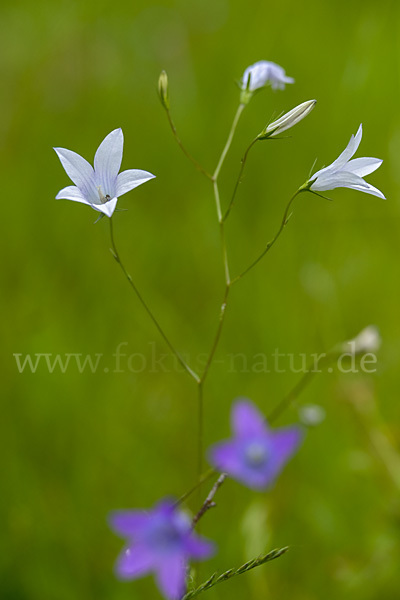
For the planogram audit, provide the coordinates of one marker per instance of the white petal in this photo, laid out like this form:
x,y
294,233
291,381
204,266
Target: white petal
x,y
330,181
368,189
107,161
258,75
80,171
291,118
363,166
128,180
320,172
348,152
72,193
107,208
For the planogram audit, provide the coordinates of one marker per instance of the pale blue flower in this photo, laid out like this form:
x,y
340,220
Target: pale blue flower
x,y
100,187
344,172
264,72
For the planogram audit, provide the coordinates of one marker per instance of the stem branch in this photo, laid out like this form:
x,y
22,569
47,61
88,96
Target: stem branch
x,y
182,147
238,180
283,224
116,255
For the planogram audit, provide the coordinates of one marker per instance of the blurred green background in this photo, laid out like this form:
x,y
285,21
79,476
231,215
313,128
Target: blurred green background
x,y
78,445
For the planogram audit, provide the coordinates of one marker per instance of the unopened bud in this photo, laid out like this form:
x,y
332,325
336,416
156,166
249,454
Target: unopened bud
x,y
368,340
163,89
288,120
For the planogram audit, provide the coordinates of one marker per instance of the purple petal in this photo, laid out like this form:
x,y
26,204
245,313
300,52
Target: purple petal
x,y
128,523
134,562
198,548
166,506
225,457
71,192
128,180
80,172
285,441
247,420
171,577
107,161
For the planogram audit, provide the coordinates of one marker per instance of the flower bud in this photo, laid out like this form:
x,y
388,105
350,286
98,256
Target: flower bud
x,y
368,340
311,415
288,120
163,89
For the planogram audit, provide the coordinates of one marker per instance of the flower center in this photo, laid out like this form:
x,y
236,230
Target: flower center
x,y
256,454
166,538
103,198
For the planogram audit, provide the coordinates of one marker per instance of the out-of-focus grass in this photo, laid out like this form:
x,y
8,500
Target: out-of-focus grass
x,y
76,445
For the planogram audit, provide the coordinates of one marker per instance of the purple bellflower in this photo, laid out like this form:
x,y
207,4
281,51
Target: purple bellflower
x,y
100,187
160,541
256,454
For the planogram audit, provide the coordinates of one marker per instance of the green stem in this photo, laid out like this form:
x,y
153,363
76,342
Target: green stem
x,y
116,255
228,141
238,180
182,147
217,335
200,428
272,242
205,477
222,232
303,382
227,288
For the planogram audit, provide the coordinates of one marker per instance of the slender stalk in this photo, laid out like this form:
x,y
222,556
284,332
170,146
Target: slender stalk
x,y
222,232
205,477
226,293
182,147
116,255
209,501
303,382
283,224
291,396
217,335
200,429
228,141
238,180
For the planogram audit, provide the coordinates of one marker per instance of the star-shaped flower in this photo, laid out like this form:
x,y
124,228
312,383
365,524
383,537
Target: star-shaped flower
x,y
256,454
100,187
344,172
263,72
160,541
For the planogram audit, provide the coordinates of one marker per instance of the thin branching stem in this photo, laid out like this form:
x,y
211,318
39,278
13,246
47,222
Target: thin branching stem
x,y
303,382
205,477
285,219
217,335
238,180
209,501
225,260
182,147
117,257
228,141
